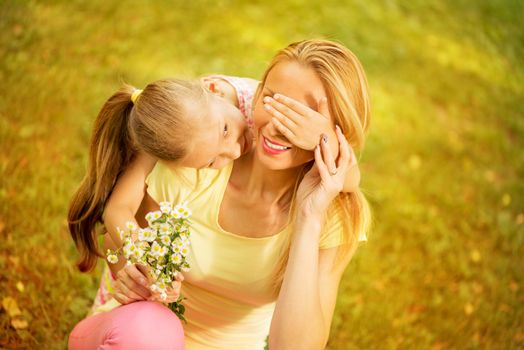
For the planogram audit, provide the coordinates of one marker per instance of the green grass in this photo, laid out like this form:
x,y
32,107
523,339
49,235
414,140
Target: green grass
x,y
443,166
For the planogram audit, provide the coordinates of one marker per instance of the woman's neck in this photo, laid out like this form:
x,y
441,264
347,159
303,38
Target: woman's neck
x,y
260,183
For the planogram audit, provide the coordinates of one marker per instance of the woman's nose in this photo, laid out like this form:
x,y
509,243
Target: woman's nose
x,y
273,131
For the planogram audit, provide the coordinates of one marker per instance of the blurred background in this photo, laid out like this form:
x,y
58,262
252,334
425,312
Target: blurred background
x,y
443,166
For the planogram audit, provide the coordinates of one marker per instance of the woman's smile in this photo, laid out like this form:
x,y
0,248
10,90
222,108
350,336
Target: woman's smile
x,y
272,147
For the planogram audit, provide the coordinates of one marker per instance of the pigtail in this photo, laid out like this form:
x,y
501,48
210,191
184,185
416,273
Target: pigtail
x,y
110,151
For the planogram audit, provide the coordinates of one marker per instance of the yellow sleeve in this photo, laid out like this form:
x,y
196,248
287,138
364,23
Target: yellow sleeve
x,y
333,235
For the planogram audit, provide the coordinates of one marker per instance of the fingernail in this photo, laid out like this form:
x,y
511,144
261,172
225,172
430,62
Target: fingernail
x,y
143,281
324,138
338,128
267,107
267,99
276,96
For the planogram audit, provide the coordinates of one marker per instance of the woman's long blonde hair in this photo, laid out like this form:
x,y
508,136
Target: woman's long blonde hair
x,y
349,104
157,124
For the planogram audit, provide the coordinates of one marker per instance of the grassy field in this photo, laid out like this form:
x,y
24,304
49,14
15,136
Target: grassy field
x,y
443,166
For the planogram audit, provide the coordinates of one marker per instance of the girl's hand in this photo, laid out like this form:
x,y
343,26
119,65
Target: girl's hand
x,y
321,185
300,124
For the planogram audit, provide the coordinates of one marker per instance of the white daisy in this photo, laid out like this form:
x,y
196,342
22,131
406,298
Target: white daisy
x,y
131,226
147,235
181,211
164,229
112,258
176,258
165,240
156,249
166,207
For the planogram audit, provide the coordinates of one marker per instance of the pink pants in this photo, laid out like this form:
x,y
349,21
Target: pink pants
x,y
139,325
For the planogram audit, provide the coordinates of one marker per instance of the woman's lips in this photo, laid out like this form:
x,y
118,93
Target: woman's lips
x,y
273,148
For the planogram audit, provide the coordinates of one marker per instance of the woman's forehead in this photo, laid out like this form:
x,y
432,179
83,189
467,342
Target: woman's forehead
x,y
296,81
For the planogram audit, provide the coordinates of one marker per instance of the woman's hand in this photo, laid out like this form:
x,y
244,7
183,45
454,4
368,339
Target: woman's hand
x,y
300,124
172,293
133,284
325,180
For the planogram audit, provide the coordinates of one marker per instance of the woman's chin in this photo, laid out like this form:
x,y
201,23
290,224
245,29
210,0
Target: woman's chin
x,y
271,162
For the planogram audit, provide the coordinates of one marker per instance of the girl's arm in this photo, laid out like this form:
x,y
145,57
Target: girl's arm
x,y
127,197
307,297
125,200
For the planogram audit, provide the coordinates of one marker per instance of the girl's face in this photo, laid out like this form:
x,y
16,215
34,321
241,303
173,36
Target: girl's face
x,y
220,136
295,81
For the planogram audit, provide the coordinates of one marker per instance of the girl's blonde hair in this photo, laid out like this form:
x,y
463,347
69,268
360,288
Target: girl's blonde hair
x,y
347,92
157,124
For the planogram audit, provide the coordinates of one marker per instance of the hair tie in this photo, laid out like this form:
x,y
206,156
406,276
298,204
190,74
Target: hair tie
x,y
135,95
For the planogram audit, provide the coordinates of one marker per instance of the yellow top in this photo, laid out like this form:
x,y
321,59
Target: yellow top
x,y
229,301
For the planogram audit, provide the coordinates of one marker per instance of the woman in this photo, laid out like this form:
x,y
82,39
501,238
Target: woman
x,y
265,259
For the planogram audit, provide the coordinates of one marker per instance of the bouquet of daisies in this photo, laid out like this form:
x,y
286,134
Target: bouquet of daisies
x,y
163,246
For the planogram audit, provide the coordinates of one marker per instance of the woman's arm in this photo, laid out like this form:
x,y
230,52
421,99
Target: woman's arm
x,y
306,303
307,297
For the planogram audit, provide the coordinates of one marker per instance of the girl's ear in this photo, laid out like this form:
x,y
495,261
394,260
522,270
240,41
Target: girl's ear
x,y
212,85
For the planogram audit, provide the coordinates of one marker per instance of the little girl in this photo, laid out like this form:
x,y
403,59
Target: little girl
x,y
176,121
